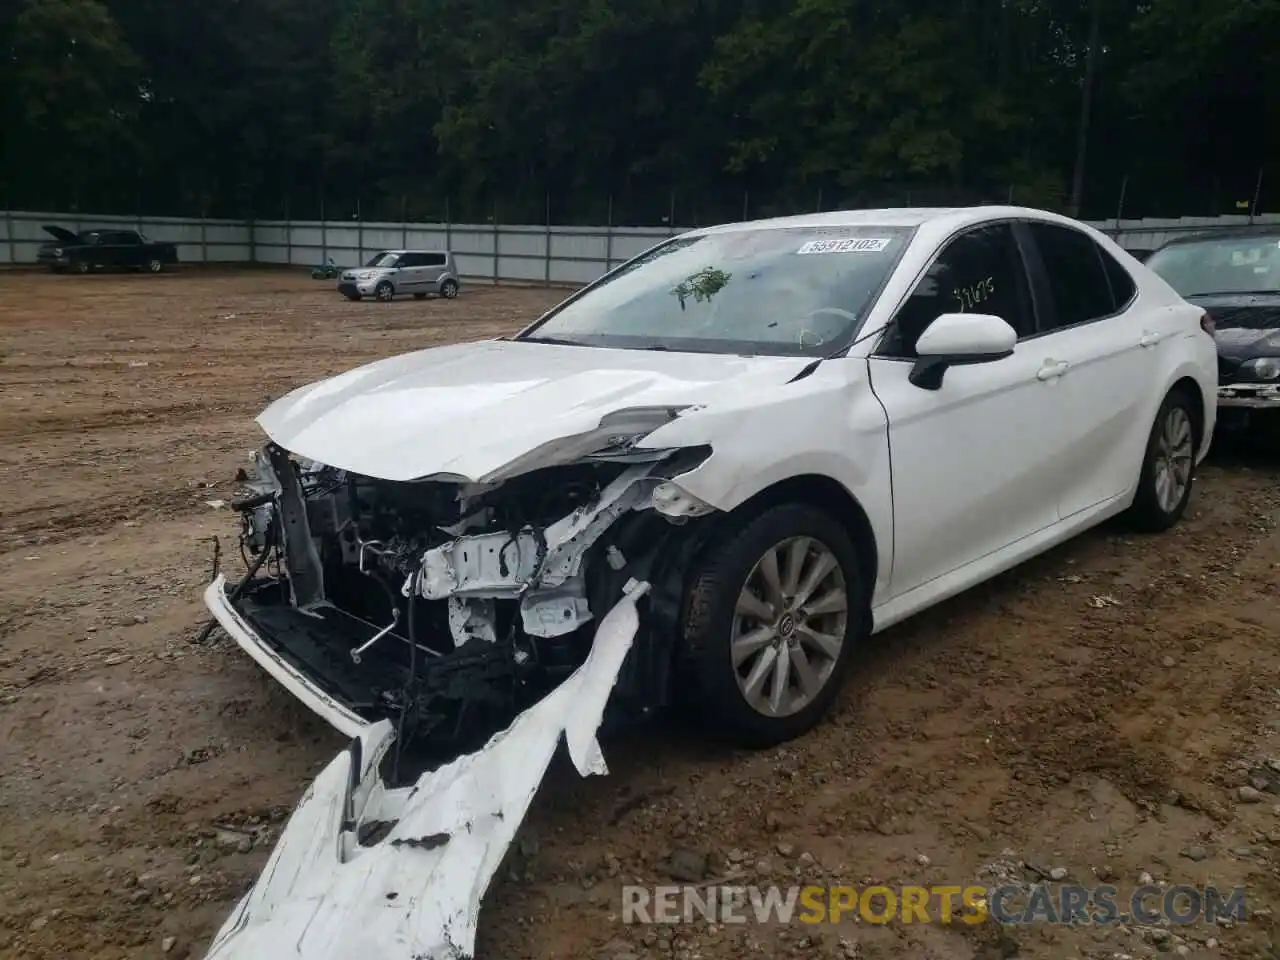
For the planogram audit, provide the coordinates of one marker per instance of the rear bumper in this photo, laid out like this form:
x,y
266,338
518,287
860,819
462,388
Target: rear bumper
x,y
273,660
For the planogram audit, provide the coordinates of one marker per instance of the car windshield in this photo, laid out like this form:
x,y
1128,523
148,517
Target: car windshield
x,y
790,291
383,260
1235,265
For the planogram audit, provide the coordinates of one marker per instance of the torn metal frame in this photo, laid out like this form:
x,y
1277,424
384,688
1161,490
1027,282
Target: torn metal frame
x,y
550,578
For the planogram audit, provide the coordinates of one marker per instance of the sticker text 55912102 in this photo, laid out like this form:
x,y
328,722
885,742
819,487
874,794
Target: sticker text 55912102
x,y
846,245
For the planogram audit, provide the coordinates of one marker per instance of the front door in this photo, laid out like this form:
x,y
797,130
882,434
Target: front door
x,y
975,464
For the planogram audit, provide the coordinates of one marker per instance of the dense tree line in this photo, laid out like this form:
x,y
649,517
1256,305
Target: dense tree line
x,y
635,109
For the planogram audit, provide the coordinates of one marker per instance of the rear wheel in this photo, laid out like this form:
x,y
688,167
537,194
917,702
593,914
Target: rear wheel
x,y
384,291
770,624
1168,468
82,266
155,265
449,289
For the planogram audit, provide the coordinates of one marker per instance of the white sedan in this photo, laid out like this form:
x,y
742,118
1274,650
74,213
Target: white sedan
x,y
751,447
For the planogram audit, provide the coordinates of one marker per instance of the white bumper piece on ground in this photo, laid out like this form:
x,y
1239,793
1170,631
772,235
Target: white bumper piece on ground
x,y
415,894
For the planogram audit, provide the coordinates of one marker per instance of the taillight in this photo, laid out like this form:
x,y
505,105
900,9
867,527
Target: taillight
x,y
1206,323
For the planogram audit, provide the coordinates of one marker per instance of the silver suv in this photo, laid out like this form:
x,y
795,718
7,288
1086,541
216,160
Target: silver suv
x,y
396,272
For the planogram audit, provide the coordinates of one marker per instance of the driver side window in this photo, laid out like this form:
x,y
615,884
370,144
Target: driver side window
x,y
979,271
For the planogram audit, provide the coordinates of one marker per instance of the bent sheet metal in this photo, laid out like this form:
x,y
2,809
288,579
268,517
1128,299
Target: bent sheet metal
x,y
415,894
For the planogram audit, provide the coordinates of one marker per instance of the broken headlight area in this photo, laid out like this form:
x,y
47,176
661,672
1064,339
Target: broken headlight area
x,y
449,607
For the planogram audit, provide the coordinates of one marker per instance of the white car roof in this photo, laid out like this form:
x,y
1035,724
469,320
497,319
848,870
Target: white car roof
x,y
944,218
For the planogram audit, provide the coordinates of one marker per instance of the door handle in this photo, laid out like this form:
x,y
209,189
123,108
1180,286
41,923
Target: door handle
x,y
1051,369
1150,339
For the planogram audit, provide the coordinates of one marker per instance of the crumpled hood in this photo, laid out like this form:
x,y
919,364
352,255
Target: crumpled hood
x,y
467,409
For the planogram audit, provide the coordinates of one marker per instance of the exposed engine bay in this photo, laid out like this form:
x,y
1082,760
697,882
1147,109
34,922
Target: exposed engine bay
x,y
448,607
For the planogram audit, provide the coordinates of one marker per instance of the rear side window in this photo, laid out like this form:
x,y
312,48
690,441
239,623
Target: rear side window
x,y
432,259
1078,282
1122,286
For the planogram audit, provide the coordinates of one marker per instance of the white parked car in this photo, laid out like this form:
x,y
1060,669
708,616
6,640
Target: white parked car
x,y
751,447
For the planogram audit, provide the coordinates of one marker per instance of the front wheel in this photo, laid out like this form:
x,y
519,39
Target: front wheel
x,y
384,291
82,266
449,289
770,624
1168,468
155,265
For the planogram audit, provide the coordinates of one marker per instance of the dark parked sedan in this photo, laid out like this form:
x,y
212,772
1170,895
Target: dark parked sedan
x,y
96,249
1235,276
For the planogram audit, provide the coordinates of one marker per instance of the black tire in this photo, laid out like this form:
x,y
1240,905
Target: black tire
x,y
353,297
384,291
709,618
155,264
1150,512
419,296
449,289
82,266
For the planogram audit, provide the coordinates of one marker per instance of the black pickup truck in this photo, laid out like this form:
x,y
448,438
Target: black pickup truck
x,y
94,249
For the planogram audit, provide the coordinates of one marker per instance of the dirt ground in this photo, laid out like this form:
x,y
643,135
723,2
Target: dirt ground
x,y
1107,710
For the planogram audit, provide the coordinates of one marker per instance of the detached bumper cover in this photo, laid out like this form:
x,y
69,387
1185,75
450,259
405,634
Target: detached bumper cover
x,y
415,895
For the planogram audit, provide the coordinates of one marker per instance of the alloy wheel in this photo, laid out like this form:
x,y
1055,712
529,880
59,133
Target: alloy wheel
x,y
1174,454
789,628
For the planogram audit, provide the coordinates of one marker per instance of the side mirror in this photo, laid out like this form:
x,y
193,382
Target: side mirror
x,y
960,339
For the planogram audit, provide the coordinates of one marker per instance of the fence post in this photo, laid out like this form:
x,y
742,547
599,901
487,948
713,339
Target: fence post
x,y
204,232
746,194
324,233
671,216
288,234
8,223
495,242
1124,188
546,258
404,221
359,232
608,239
818,208
448,227
1257,195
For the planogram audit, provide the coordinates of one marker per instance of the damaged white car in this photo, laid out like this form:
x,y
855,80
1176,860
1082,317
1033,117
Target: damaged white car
x,y
705,477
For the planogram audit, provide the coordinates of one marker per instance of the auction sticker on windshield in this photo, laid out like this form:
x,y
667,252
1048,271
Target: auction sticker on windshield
x,y
847,245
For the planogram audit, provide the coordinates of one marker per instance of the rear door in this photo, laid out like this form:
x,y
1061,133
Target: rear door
x,y
1094,322
126,248
974,463
433,269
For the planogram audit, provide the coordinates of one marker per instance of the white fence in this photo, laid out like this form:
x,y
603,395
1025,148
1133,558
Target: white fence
x,y
546,254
